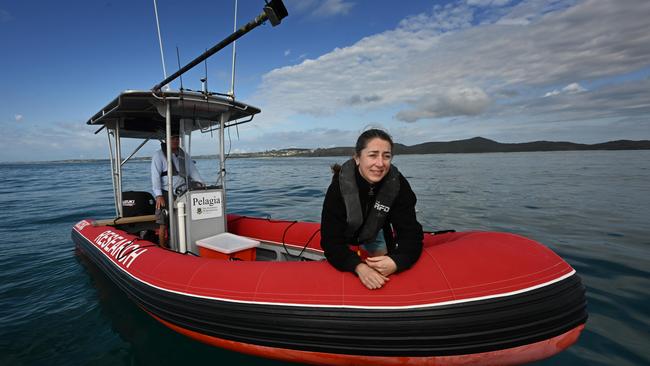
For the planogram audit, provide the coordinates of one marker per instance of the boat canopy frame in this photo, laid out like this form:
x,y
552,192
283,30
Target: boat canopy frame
x,y
158,115
142,113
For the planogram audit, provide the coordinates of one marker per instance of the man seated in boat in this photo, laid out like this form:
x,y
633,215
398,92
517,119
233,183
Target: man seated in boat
x,y
369,203
182,168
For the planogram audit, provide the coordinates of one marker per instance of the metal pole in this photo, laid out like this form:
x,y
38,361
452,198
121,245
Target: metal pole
x,y
162,55
110,148
135,151
170,177
118,158
234,53
189,140
181,133
182,243
273,11
187,224
222,161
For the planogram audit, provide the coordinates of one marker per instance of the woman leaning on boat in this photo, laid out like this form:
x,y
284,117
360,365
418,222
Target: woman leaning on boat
x,y
369,203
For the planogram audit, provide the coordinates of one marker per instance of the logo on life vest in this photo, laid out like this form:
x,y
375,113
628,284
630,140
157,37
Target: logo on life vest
x,y
380,207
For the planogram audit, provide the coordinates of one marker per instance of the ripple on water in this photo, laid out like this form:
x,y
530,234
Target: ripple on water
x,y
55,311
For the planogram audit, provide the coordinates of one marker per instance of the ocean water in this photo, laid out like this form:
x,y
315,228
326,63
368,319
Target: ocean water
x,y
590,207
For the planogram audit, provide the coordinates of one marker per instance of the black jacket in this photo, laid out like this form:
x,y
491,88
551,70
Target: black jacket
x,y
408,232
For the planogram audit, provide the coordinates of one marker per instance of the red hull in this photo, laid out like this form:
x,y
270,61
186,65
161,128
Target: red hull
x,y
456,272
511,356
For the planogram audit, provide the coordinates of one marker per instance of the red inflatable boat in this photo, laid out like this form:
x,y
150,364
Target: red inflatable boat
x,y
472,298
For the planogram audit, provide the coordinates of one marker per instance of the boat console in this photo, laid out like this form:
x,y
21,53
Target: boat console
x,y
202,213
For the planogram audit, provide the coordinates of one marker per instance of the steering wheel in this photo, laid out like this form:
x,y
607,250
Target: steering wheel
x,y
183,187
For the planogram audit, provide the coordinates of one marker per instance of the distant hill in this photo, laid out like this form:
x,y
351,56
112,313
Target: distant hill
x,y
473,145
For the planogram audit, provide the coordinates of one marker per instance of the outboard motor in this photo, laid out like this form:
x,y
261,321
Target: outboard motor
x,y
136,203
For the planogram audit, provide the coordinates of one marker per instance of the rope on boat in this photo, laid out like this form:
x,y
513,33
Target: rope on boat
x,y
284,234
303,248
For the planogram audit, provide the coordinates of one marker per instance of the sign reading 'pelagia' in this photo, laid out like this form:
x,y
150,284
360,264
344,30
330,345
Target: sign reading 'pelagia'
x,y
206,205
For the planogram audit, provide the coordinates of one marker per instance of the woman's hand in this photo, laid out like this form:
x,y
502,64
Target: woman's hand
x,y
369,277
382,264
160,202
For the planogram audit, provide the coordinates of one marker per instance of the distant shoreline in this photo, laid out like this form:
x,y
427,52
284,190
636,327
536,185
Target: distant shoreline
x,y
468,146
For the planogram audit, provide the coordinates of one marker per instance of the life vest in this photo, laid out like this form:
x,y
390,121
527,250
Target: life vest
x,y
369,228
163,148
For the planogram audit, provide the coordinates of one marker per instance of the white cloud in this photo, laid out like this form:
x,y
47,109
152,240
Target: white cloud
x,y
54,141
628,100
287,52
439,64
463,101
333,7
532,10
319,8
552,93
572,88
18,117
442,19
484,3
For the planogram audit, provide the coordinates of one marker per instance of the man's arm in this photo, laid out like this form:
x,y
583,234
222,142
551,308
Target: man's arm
x,y
156,169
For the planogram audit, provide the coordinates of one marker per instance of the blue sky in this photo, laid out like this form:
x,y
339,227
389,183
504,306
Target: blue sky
x,y
512,71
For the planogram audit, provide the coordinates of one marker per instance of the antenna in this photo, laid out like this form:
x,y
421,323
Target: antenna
x,y
162,55
234,56
274,11
204,80
178,58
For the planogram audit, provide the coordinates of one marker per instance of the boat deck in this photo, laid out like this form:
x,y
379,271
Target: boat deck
x,y
145,227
